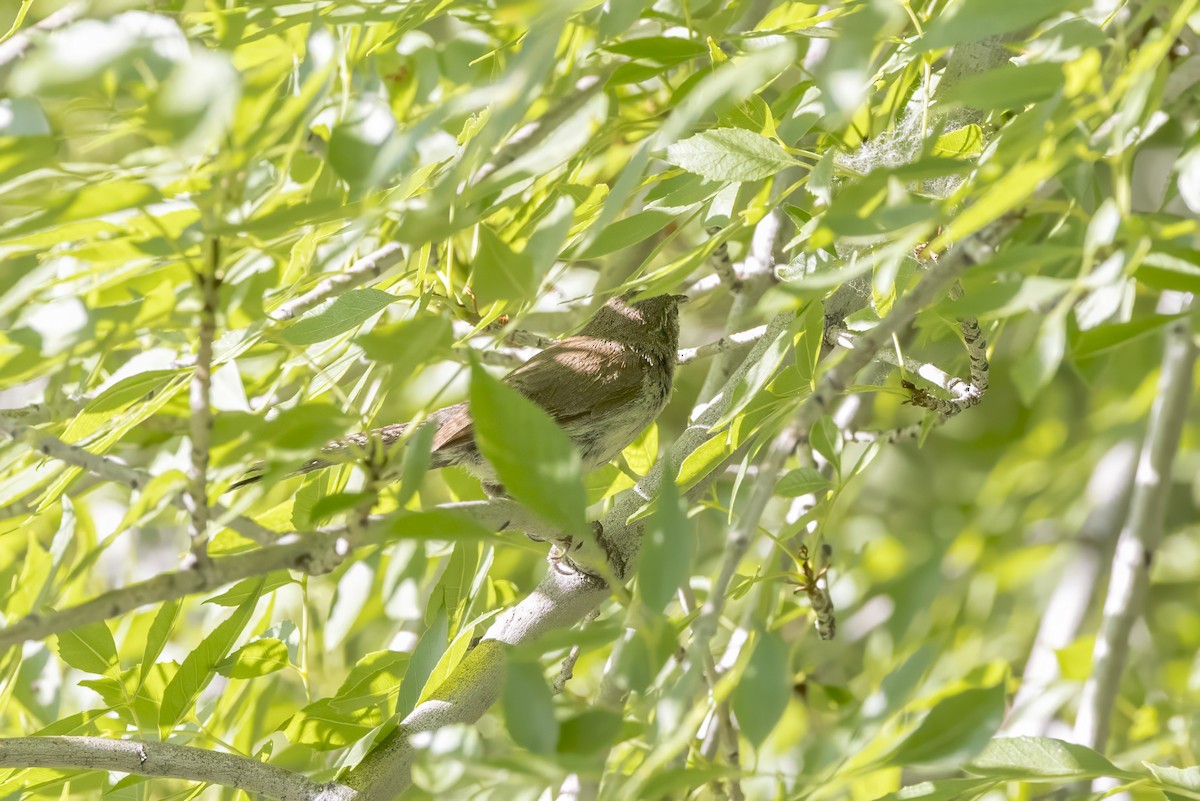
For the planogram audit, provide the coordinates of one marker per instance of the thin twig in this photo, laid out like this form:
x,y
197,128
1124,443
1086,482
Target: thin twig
x,y
371,266
199,399
13,49
1142,533
725,343
567,670
965,394
762,253
723,265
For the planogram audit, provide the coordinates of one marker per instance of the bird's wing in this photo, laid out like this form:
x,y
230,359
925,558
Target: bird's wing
x,y
574,378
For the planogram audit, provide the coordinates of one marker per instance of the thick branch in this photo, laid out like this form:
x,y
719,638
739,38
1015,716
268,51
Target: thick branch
x,y
310,552
1108,492
167,761
1141,535
305,553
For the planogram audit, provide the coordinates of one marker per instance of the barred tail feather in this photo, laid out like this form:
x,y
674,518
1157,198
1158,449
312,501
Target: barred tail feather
x,y
343,450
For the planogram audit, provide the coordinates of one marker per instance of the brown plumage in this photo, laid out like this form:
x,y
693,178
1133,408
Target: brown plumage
x,y
602,386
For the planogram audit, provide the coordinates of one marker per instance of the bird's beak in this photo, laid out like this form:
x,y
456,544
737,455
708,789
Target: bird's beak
x,y
681,298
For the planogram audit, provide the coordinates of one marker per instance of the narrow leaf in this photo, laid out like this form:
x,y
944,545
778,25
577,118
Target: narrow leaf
x,y
200,665
535,461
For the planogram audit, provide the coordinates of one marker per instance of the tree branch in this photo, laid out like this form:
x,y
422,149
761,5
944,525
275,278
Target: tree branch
x,y
762,257
1142,533
372,265
310,552
725,343
110,469
14,49
1108,491
199,399
167,761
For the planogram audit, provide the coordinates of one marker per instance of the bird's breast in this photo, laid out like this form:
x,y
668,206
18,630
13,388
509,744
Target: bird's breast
x,y
600,438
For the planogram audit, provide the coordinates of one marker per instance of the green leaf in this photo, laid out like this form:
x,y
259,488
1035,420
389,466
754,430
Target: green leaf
x,y
1008,87
759,375
957,728
345,312
336,503
973,20
114,399
940,790
323,726
702,461
668,548
536,462
965,142
89,648
417,458
303,428
257,658
200,665
1171,268
808,342
529,707
455,582
1039,366
1105,337
1034,758
408,344
627,231
546,243
372,680
160,631
1183,778
424,659
500,273
246,589
641,453
675,782
803,481
762,695
826,440
589,731
359,144
730,154
664,50
84,204
437,524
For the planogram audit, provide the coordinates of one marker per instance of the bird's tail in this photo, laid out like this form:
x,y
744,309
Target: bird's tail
x,y
339,451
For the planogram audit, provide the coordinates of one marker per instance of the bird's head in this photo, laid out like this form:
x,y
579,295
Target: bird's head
x,y
652,322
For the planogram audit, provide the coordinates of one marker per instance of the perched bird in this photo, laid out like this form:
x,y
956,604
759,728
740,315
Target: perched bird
x,y
602,386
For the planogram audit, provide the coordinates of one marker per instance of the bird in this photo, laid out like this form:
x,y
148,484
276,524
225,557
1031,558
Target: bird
x,y
602,386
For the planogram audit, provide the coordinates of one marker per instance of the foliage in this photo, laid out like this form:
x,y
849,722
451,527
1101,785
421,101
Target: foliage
x,y
531,159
